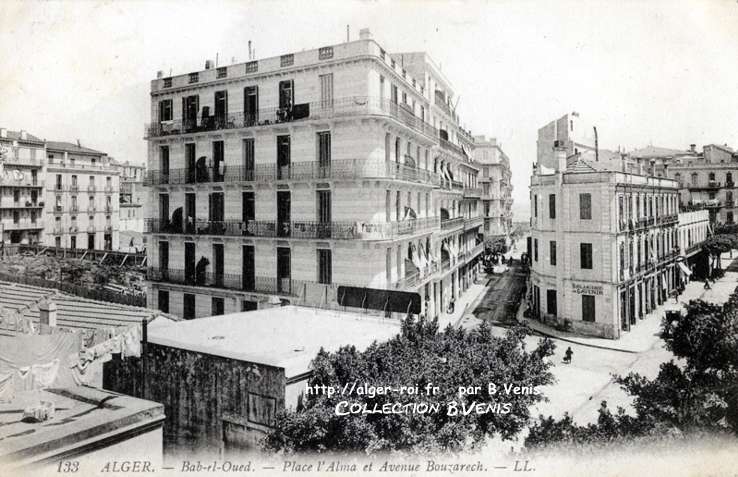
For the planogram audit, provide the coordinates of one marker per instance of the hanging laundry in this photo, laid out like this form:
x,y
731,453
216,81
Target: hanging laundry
x,y
44,375
132,342
7,389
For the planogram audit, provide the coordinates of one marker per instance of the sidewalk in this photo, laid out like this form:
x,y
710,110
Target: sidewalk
x,y
646,332
464,304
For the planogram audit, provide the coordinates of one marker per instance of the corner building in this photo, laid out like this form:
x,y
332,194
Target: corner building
x,y
289,176
605,242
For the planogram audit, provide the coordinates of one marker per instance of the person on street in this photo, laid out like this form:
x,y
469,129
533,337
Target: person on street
x,y
567,355
707,284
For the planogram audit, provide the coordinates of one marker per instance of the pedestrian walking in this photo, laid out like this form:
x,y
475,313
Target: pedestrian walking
x,y
707,284
567,355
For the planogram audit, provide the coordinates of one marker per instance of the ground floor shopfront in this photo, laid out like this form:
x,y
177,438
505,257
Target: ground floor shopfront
x,y
606,309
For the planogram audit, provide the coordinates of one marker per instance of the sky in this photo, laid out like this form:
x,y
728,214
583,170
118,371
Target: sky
x,y
643,72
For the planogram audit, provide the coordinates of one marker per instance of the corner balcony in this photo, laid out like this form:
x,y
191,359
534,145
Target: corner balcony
x,y
449,224
341,169
322,110
296,229
473,222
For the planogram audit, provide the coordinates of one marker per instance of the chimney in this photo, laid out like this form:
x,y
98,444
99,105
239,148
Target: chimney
x,y
23,134
250,57
159,74
560,155
3,132
78,143
693,148
47,316
365,34
208,64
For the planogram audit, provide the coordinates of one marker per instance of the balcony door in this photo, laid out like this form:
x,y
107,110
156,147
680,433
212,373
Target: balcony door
x,y
189,262
190,107
283,270
248,212
218,263
324,213
163,256
190,212
218,162
248,269
251,105
324,154
216,213
283,214
248,160
221,108
190,163
283,157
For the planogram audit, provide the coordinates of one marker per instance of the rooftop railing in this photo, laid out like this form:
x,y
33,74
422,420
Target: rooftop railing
x,y
348,106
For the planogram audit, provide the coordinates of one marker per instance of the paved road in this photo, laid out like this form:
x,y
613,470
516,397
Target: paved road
x,y
504,294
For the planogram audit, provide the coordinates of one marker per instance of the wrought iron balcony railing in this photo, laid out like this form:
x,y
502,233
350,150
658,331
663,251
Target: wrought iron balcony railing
x,y
305,229
307,170
452,223
348,106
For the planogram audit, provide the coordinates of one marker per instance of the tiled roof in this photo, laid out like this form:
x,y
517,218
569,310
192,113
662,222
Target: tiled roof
x,y
70,147
653,151
16,136
72,311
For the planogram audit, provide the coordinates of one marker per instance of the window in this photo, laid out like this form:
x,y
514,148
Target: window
x,y
552,206
551,302
167,82
222,72
588,308
165,110
535,250
194,77
326,90
552,252
252,67
163,301
188,306
535,205
585,256
585,206
217,306
324,153
325,53
286,94
729,179
287,60
694,178
248,159
325,266
164,161
712,176
729,217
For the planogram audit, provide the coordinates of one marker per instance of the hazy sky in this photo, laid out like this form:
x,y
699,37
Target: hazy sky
x,y
664,73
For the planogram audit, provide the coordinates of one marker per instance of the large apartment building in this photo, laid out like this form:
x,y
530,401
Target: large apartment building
x,y
132,196
21,187
608,242
495,180
289,176
81,197
706,178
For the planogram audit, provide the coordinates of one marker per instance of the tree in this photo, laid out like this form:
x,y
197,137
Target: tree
x,y
719,244
697,394
418,356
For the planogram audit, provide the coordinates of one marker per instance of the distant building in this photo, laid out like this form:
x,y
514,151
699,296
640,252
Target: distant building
x,y
604,237
21,187
496,182
132,197
81,198
706,179
248,366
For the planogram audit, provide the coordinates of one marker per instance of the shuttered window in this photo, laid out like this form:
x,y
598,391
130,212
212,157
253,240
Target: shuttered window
x,y
326,90
325,266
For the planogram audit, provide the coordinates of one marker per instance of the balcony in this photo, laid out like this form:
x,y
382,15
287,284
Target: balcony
x,y
23,225
729,203
91,229
412,280
711,185
109,208
108,189
473,222
451,147
256,284
10,180
18,205
74,188
58,209
91,209
108,229
473,192
74,209
91,188
454,223
73,229
296,229
339,107
345,169
729,184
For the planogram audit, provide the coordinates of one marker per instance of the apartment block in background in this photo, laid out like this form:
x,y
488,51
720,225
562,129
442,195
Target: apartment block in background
x,y
495,181
132,197
81,198
286,177
21,187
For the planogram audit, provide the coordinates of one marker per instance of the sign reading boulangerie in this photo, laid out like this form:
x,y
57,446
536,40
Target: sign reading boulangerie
x,y
586,289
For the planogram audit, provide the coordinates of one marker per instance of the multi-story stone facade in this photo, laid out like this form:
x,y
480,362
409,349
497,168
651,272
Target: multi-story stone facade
x,y
81,198
706,178
21,187
495,180
132,197
289,176
604,247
